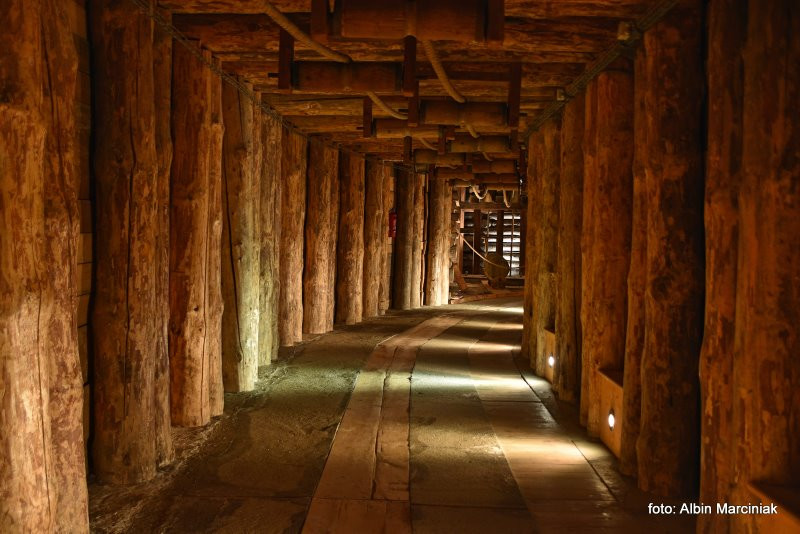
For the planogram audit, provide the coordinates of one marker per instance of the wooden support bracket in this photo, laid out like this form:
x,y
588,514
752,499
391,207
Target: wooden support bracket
x,y
410,66
367,117
442,147
319,20
408,155
495,22
285,60
514,94
413,107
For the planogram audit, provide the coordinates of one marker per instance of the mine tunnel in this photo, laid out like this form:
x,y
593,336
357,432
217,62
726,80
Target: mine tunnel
x,y
393,266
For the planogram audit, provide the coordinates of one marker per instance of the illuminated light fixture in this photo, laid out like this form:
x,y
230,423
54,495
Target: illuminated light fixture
x,y
611,419
551,360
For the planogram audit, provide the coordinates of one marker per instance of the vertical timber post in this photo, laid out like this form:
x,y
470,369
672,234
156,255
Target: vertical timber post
x,y
374,237
319,282
668,441
350,251
294,149
195,234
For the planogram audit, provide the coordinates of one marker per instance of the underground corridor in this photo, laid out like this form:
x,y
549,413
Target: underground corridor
x,y
394,266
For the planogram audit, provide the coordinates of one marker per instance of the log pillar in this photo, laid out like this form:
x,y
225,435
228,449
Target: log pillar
x,y
319,279
131,414
350,251
587,243
42,467
528,249
637,278
402,281
727,29
611,221
418,241
294,149
668,441
240,243
567,369
270,229
437,288
195,235
386,241
767,369
546,154
162,82
374,237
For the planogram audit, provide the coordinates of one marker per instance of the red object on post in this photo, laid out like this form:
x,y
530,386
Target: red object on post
x,y
392,224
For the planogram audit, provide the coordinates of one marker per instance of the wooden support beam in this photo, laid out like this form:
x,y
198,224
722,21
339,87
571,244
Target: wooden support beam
x,y
445,20
410,83
319,21
293,214
441,147
437,287
374,236
270,213
413,107
612,183
424,156
240,243
475,114
350,250
495,22
496,166
514,94
637,279
727,36
408,155
321,232
325,77
567,369
484,143
195,235
385,289
43,470
398,128
546,160
129,213
669,438
285,61
367,115
418,241
404,191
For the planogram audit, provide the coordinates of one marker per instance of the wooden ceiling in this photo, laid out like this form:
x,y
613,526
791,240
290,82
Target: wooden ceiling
x,y
553,39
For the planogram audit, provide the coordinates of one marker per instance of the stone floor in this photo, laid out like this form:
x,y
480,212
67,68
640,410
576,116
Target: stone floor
x,y
420,421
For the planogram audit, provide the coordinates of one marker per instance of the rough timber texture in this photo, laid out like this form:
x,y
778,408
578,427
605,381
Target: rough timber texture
x,y
766,398
269,210
319,279
374,236
546,157
128,401
350,250
437,287
162,81
727,28
386,241
637,278
293,213
196,232
240,243
668,442
418,240
42,469
402,282
567,370
612,181
528,236
587,243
